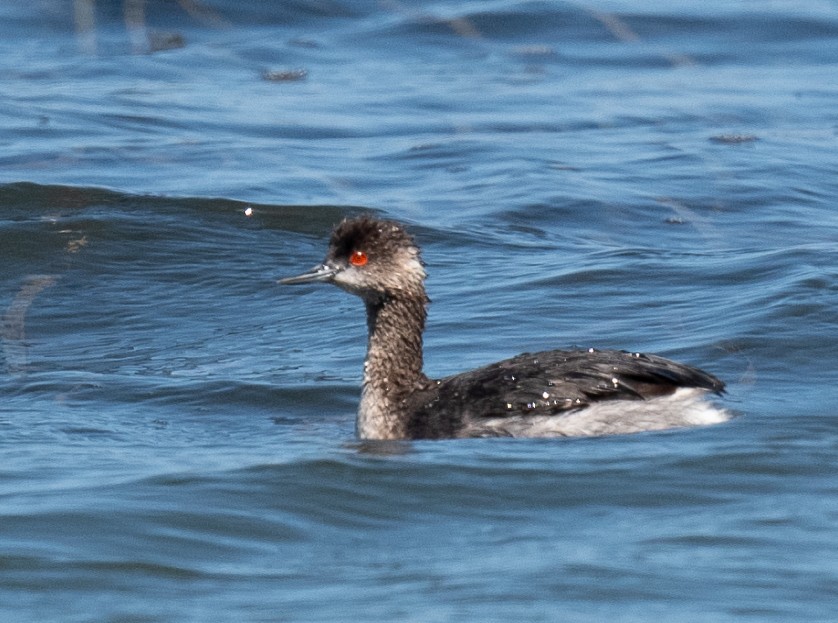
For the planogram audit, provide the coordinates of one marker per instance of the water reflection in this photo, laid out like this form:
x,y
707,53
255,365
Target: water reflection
x,y
142,40
13,325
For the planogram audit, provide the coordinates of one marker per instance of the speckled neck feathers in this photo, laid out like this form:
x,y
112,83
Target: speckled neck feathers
x,y
393,367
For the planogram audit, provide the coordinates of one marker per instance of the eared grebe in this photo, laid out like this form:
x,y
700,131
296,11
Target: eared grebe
x,y
552,393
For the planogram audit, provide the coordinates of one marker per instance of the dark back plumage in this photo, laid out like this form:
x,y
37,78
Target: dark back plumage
x,y
547,384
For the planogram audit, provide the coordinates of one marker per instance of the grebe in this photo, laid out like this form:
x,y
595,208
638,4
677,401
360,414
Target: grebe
x,y
547,394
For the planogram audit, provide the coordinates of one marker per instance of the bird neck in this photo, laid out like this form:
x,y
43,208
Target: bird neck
x,y
393,367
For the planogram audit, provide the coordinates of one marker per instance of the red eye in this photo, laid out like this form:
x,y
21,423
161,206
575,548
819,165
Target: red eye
x,y
358,258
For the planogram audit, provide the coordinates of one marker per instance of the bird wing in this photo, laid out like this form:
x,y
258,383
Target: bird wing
x,y
551,382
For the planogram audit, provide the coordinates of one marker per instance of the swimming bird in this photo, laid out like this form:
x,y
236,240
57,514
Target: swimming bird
x,y
583,392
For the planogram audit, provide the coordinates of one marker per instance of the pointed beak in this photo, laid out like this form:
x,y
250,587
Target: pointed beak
x,y
323,272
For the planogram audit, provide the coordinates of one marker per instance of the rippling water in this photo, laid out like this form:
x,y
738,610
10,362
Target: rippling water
x,y
177,431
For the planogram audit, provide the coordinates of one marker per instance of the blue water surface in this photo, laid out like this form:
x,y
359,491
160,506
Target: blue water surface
x,y
177,430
